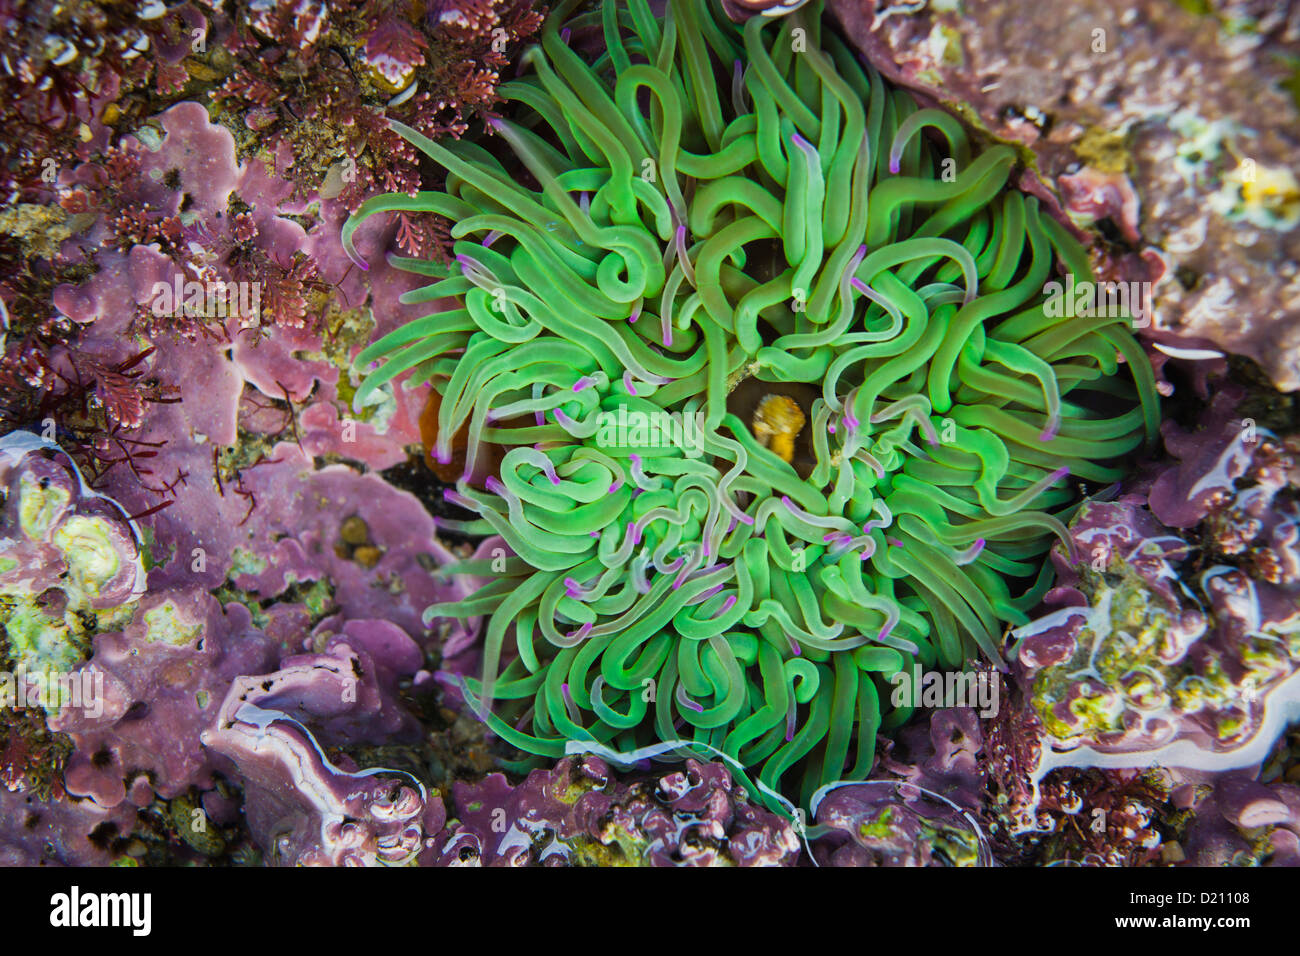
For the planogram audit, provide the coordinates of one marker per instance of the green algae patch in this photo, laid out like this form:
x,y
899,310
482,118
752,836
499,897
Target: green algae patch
x,y
40,642
163,624
245,562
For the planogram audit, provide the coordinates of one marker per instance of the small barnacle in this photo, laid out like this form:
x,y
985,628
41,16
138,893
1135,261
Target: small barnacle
x,y
138,47
59,51
393,51
777,422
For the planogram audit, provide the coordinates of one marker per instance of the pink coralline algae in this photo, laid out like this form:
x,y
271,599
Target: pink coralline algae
x,y
1242,822
118,185
214,570
60,831
262,528
921,808
302,808
163,678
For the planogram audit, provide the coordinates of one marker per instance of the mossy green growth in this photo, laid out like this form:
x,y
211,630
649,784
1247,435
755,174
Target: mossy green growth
x,y
1104,149
959,845
40,642
619,846
953,54
1111,668
39,635
622,852
243,561
319,598
880,828
1291,84
316,596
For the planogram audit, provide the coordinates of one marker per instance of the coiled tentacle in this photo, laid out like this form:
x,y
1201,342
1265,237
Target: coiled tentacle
x,y
778,406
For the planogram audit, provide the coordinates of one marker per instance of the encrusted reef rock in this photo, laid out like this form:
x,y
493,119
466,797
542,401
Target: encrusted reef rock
x,y
1174,644
1176,131
302,808
582,813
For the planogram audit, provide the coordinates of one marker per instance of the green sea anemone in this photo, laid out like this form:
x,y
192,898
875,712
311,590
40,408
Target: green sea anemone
x,y
778,406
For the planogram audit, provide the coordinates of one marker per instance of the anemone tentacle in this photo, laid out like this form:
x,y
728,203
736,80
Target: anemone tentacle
x,y
780,408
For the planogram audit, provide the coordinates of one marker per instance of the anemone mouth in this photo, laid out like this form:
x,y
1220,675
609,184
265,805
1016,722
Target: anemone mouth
x,y
780,403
